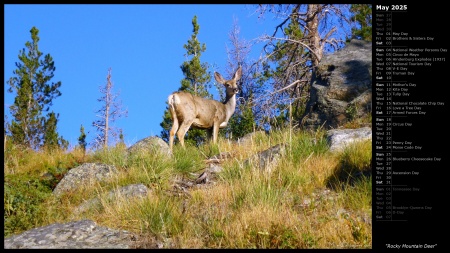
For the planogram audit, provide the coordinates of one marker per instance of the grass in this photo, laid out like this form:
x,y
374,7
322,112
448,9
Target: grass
x,y
311,199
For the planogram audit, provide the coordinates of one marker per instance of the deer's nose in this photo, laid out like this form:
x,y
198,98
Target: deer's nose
x,y
236,90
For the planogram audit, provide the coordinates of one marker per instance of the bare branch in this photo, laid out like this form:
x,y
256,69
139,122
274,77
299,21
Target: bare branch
x,y
287,87
325,38
293,41
109,112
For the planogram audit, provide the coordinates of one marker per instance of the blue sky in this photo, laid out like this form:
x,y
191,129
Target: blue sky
x,y
142,44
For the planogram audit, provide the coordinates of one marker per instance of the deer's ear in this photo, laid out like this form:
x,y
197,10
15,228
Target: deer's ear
x,y
238,74
219,78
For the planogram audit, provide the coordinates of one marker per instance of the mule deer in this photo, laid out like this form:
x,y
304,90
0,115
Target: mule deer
x,y
187,109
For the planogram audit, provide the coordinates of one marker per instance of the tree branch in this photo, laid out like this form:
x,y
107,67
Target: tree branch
x,y
293,41
284,88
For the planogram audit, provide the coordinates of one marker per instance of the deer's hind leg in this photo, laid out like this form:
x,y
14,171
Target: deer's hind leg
x,y
174,128
184,127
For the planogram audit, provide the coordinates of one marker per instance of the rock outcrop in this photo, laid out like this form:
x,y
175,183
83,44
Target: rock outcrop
x,y
83,234
341,89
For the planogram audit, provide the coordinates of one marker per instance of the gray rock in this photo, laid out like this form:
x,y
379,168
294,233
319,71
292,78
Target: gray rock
x,y
250,138
129,191
150,145
338,139
318,197
85,174
341,90
84,234
208,174
215,169
267,159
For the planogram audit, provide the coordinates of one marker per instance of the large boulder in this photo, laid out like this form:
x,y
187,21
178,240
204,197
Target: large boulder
x,y
150,144
341,88
85,174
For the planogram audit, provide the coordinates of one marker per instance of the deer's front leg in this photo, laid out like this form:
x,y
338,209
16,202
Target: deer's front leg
x,y
215,131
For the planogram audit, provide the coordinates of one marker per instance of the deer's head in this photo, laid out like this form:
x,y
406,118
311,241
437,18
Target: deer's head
x,y
230,85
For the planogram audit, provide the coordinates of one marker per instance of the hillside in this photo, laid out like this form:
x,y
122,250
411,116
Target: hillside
x,y
285,189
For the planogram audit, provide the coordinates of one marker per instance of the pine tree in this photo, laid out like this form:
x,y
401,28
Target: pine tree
x,y
242,123
121,142
82,139
51,137
34,95
362,16
196,81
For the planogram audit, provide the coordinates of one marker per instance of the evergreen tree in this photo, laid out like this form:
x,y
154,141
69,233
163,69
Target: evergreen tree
x,y
34,95
51,137
242,123
195,73
166,124
82,139
63,143
362,16
121,142
196,81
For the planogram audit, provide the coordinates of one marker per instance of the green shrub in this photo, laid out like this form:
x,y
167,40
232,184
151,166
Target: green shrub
x,y
23,202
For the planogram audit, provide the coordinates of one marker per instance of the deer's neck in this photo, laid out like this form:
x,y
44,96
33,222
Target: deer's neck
x,y
230,105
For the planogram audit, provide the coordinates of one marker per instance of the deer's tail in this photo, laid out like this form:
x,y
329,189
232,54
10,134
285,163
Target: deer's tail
x,y
173,100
